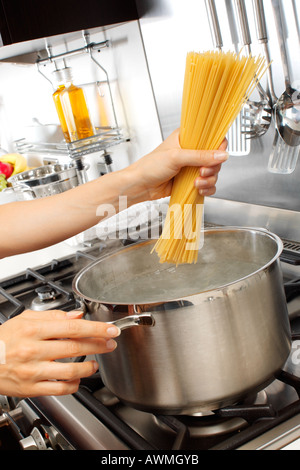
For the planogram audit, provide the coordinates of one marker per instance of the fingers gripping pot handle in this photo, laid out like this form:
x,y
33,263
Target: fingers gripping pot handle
x,y
145,319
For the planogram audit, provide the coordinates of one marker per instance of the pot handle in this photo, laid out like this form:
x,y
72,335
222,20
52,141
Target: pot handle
x,y
23,188
145,319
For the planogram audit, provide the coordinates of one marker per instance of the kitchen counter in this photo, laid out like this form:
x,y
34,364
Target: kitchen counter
x,y
16,264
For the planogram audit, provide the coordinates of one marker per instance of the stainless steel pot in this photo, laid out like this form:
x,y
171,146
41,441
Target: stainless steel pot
x,y
209,333
45,181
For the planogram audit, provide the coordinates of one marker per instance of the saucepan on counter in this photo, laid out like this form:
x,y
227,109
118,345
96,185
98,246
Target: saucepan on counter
x,y
45,181
205,335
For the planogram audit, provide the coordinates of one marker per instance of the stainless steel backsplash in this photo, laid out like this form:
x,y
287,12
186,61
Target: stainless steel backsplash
x,y
170,29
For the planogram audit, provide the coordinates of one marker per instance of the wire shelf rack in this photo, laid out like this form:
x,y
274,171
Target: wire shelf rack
x,y
104,137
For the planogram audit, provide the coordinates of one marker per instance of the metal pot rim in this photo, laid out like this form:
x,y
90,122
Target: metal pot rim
x,y
206,292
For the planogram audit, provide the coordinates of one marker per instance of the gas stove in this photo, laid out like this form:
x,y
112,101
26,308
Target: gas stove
x,y
94,419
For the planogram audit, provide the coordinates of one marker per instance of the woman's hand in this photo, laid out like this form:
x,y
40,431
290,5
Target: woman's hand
x,y
154,173
31,342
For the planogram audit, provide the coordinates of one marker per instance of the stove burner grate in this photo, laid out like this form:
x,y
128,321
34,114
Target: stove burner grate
x,y
33,279
265,423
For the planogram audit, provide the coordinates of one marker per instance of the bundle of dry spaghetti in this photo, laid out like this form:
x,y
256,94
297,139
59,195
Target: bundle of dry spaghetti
x,y
216,86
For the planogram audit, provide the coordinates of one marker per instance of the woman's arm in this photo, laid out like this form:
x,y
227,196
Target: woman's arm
x,y
32,225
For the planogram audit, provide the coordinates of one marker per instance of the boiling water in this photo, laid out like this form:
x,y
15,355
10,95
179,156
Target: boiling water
x,y
167,283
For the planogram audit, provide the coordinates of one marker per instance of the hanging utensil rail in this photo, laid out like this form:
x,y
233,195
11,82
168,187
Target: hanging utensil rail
x,y
88,48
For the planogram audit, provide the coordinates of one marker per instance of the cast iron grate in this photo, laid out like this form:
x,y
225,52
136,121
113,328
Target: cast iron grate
x,y
49,275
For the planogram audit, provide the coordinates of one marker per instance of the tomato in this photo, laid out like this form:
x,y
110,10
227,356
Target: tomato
x,y
6,169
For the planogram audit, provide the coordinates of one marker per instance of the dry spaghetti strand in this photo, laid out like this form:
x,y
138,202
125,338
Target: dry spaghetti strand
x,y
216,86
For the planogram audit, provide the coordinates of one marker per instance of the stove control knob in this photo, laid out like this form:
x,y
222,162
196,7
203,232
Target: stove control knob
x,y
33,442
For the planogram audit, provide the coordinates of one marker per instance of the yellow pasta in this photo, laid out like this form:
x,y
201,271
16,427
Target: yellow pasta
x,y
216,86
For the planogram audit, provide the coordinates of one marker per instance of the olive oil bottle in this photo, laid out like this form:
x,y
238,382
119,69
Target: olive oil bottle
x,y
75,108
71,107
59,79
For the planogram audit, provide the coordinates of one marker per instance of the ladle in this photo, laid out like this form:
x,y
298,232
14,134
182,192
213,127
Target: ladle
x,y
287,108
